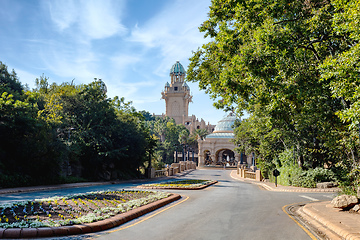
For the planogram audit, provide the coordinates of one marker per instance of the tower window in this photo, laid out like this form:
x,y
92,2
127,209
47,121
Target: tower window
x,y
175,88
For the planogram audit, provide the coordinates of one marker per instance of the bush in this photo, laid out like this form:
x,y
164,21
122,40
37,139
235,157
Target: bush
x,y
292,175
288,170
310,177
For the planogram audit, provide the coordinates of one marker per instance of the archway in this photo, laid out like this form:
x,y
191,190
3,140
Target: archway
x,y
225,157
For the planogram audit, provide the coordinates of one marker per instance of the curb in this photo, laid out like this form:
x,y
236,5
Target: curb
x,y
84,184
180,188
339,228
89,227
269,188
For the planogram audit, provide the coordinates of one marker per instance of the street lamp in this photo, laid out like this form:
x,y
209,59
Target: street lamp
x,y
193,151
176,152
183,151
188,154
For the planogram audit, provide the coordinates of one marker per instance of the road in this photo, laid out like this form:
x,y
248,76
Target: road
x,y
231,209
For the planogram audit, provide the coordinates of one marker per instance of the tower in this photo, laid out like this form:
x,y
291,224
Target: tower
x,y
177,95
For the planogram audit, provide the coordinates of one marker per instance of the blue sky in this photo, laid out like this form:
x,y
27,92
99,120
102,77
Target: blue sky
x,y
131,45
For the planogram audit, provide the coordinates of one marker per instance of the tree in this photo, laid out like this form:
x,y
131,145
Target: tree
x,y
340,72
30,153
9,82
265,58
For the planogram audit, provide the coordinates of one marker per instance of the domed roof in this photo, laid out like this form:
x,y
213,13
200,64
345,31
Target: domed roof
x,y
225,124
177,69
224,128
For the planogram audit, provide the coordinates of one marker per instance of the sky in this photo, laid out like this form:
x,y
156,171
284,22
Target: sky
x,y
129,44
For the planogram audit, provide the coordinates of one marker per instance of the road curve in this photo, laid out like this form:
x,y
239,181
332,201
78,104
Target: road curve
x,y
228,210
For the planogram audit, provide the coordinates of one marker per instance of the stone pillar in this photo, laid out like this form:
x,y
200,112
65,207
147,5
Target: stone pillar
x,y
176,168
150,172
201,158
258,175
182,166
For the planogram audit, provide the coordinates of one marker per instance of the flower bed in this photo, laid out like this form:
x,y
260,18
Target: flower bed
x,y
189,184
74,209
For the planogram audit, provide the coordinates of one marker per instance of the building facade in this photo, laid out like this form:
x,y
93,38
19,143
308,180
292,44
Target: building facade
x,y
177,97
218,148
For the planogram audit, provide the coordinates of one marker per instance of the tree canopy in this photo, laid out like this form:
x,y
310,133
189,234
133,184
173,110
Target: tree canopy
x,y
292,65
67,132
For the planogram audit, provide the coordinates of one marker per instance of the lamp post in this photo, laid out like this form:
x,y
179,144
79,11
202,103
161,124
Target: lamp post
x,y
183,151
188,154
253,159
176,152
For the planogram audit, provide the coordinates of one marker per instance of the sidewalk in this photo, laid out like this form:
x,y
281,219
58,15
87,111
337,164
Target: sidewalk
x,y
335,223
271,186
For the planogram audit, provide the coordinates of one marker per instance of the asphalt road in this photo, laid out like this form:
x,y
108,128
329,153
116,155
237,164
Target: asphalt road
x,y
231,209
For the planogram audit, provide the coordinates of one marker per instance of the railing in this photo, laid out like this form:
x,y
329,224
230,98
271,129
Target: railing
x,y
176,170
160,173
251,175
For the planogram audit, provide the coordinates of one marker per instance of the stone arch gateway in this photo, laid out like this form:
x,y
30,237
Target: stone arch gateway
x,y
218,149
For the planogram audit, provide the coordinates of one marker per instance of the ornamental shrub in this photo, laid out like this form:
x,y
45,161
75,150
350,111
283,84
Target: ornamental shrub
x,y
310,177
287,168
292,175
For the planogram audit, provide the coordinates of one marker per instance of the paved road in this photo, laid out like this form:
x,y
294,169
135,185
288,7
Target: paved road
x,y
230,209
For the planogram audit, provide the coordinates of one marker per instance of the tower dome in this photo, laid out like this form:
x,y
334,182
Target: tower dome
x,y
177,69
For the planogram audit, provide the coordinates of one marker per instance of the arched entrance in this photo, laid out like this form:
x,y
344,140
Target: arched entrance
x,y
225,157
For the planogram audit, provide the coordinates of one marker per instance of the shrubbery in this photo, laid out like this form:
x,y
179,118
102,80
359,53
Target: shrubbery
x,y
310,177
292,175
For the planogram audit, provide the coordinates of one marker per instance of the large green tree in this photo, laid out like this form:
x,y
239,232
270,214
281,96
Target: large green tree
x,y
265,57
30,152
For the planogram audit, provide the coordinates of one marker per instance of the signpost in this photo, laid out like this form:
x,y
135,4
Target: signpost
x,y
276,173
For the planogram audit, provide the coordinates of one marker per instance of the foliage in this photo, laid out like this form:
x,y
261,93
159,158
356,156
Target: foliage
x,y
30,152
293,66
58,133
167,133
292,175
310,177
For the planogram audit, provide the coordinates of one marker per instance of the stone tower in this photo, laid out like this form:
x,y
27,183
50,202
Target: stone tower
x,y
177,95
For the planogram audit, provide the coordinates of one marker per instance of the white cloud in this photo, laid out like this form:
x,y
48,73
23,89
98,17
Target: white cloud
x,y
100,20
130,90
63,13
174,31
122,61
67,61
90,18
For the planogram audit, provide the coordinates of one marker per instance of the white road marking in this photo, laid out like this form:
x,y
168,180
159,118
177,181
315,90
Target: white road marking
x,y
327,196
310,198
